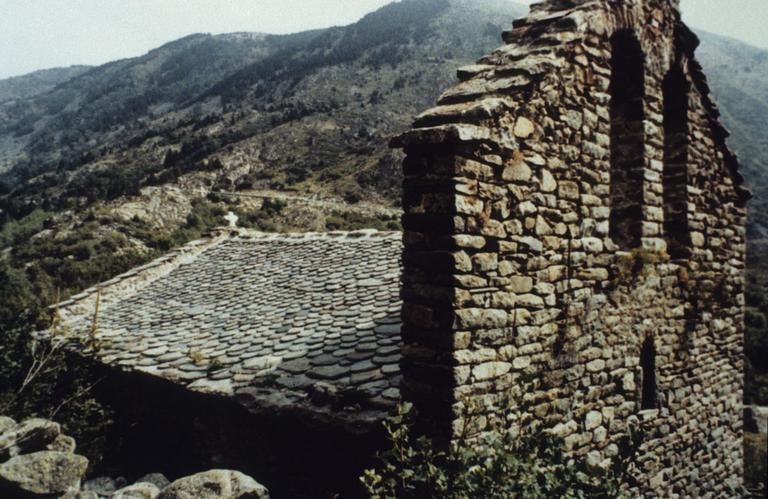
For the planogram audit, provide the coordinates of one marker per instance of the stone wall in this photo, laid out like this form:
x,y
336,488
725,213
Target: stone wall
x,y
574,247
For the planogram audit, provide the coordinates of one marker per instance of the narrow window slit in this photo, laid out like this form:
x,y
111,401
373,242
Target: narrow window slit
x,y
627,140
648,365
675,179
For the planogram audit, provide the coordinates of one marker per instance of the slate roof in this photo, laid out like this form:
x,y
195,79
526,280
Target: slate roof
x,y
288,321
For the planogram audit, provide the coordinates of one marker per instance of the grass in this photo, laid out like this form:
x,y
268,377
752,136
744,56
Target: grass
x,y
755,460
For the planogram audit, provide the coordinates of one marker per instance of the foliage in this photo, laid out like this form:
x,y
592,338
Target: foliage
x,y
21,230
203,217
756,337
354,221
756,461
529,464
263,219
39,379
36,272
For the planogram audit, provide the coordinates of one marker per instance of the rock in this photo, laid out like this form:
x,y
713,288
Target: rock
x,y
756,419
215,484
6,424
520,284
490,370
596,365
548,182
532,243
697,239
521,363
81,495
31,435
139,490
592,244
157,479
593,420
63,443
519,172
573,119
104,485
523,128
472,318
42,473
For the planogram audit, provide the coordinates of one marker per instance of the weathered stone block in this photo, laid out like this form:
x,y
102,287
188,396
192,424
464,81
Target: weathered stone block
x,y
490,370
524,128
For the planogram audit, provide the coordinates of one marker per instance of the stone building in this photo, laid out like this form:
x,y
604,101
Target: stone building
x,y
273,354
573,254
574,245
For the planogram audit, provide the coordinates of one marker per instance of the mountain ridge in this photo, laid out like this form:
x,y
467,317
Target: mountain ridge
x,y
309,111
37,82
118,164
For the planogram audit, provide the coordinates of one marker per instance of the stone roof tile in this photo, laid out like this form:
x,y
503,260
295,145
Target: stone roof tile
x,y
286,321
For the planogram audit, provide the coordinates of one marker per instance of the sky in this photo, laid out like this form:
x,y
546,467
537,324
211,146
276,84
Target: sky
x,y
38,34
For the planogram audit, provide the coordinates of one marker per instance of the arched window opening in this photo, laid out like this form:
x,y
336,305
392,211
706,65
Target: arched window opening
x,y
648,365
676,163
627,140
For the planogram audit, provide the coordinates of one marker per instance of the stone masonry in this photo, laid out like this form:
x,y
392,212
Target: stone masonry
x,y
574,246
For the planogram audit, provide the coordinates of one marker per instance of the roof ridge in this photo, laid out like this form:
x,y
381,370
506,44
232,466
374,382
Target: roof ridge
x,y
358,234
128,283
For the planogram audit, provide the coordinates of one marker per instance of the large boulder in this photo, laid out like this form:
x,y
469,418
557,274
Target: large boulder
x,y
81,495
104,485
157,479
31,435
139,490
44,473
6,424
215,484
63,443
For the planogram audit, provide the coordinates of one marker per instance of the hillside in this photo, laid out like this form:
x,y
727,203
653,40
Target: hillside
x,y
102,168
310,111
738,75
116,164
36,83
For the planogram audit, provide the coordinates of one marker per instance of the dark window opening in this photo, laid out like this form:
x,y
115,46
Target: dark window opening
x,y
648,365
675,163
627,140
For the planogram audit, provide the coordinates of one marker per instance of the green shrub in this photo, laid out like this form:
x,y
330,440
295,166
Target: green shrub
x,y
15,231
349,220
38,378
36,273
756,461
530,465
756,337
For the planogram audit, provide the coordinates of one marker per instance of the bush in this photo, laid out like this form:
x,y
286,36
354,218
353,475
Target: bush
x,y
349,220
756,337
38,378
36,273
531,464
756,461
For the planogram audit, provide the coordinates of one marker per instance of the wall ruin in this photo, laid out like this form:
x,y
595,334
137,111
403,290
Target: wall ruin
x,y
575,244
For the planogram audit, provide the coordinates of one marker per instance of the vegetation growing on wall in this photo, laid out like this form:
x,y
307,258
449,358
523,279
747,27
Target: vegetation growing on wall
x,y
501,465
756,338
